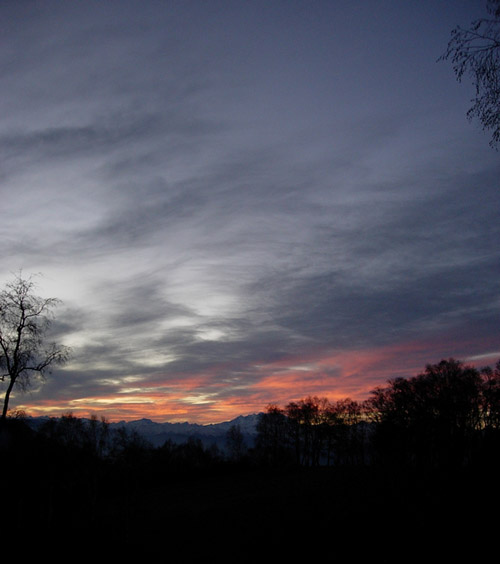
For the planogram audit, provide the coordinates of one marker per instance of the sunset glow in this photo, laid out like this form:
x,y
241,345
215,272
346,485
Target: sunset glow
x,y
205,400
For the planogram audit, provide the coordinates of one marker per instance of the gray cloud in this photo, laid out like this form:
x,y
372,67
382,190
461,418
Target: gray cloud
x,y
216,187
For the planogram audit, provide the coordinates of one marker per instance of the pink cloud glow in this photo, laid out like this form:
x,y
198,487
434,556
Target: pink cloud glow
x,y
208,398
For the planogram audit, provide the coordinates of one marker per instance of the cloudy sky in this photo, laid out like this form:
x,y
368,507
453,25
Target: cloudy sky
x,y
244,202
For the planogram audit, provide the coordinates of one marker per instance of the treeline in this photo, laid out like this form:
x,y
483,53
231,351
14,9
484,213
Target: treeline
x,y
113,448
449,415
337,461
312,432
73,475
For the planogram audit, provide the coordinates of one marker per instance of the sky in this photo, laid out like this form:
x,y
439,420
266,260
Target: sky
x,y
242,203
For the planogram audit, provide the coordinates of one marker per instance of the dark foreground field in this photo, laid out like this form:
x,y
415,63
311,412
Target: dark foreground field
x,y
354,514
66,504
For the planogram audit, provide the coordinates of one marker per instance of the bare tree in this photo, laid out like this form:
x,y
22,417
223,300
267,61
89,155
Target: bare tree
x,y
476,51
24,321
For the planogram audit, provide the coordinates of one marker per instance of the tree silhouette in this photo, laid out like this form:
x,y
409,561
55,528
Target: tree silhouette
x,y
305,419
24,320
491,396
313,431
271,442
345,440
432,419
476,52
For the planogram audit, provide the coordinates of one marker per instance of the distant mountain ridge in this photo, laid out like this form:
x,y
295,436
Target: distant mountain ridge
x,y
158,433
213,433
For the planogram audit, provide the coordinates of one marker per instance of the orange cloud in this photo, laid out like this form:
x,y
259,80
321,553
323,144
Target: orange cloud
x,y
217,395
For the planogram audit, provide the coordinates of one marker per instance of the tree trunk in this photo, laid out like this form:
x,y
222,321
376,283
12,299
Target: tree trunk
x,y
6,399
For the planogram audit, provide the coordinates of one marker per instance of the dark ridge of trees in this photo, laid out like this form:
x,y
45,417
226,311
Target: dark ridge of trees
x,y
313,432
417,454
447,416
